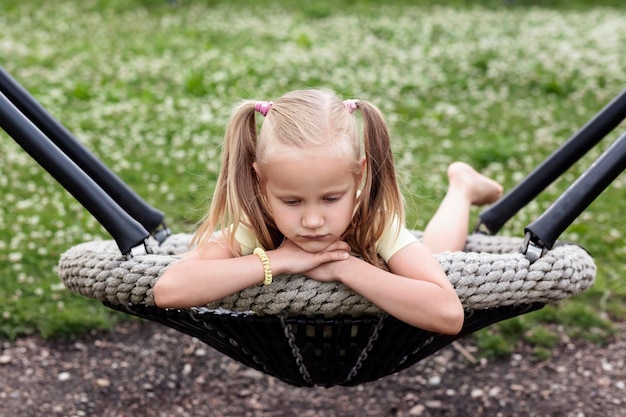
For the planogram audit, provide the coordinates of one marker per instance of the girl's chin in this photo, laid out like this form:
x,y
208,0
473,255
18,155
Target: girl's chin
x,y
313,247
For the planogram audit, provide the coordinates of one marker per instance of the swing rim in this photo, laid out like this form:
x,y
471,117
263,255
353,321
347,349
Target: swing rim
x,y
266,340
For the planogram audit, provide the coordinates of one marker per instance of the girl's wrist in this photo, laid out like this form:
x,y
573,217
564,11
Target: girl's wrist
x,y
277,266
345,268
351,269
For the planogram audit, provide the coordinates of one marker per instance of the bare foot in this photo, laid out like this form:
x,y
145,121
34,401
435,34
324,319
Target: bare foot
x,y
480,189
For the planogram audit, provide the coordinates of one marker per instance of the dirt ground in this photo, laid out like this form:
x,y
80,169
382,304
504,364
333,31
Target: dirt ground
x,y
143,369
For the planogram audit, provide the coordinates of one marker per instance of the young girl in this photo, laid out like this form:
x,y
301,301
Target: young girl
x,y
307,194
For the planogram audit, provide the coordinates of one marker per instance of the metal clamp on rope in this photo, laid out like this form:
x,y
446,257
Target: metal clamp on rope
x,y
146,246
531,249
161,233
481,228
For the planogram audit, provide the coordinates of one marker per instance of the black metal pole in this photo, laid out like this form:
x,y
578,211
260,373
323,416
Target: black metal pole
x,y
564,157
145,214
549,226
126,231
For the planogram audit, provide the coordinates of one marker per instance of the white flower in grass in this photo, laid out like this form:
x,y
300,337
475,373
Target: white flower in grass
x,y
15,257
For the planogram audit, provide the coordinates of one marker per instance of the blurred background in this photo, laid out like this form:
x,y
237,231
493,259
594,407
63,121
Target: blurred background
x,y
148,86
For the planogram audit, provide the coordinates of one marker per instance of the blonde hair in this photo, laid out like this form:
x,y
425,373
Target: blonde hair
x,y
300,120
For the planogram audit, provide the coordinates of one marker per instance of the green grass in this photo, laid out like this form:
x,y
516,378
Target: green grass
x,y
148,86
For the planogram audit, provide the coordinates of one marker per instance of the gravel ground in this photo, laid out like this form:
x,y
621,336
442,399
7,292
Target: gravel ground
x,y
143,369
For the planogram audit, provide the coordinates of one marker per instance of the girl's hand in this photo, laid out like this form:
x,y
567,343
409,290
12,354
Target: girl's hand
x,y
291,259
331,271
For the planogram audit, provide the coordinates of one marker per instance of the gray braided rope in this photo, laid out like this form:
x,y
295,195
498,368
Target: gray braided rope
x,y
490,273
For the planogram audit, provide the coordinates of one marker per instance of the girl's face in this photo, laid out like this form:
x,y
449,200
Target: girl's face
x,y
311,198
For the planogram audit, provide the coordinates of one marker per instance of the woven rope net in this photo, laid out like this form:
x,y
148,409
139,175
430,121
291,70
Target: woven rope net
x,y
489,273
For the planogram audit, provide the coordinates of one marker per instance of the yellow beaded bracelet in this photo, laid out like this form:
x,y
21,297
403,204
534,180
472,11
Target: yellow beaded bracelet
x,y
266,265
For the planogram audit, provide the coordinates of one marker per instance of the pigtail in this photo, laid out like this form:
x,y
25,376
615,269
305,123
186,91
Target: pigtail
x,y
236,199
380,199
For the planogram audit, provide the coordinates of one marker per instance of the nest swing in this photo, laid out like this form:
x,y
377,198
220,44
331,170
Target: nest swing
x,y
301,331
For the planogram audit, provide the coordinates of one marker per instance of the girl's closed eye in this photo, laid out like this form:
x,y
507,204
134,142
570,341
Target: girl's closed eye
x,y
291,202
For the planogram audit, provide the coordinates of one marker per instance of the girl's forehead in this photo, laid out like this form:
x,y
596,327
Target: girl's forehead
x,y
315,171
343,155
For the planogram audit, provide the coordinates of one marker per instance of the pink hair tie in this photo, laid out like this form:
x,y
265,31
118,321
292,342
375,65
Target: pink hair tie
x,y
263,107
350,105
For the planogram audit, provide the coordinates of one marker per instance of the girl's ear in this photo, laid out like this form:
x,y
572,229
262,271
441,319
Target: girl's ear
x,y
360,174
257,170
259,178
263,197
362,166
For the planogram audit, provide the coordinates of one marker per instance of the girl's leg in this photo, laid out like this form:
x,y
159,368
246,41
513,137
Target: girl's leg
x,y
448,229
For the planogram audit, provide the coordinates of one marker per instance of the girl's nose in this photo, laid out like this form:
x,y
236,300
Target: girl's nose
x,y
313,220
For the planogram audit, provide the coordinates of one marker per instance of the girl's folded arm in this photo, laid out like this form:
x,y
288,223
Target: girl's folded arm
x,y
206,275
416,290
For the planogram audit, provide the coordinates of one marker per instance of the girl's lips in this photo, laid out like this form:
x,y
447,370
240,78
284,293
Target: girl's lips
x,y
314,237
